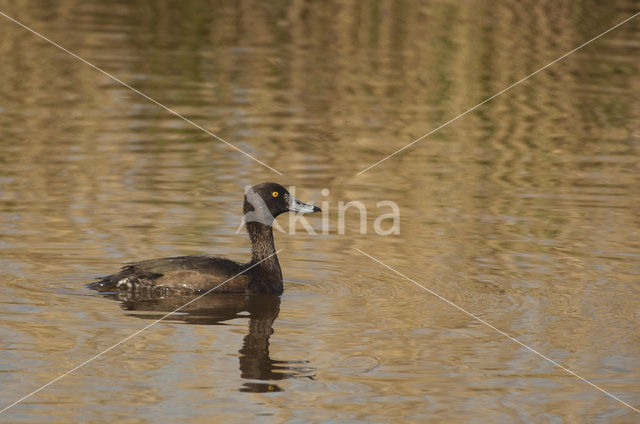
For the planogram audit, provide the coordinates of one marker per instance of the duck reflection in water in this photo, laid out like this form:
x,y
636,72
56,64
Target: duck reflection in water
x,y
256,364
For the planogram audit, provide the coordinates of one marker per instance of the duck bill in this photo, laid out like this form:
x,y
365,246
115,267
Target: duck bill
x,y
298,206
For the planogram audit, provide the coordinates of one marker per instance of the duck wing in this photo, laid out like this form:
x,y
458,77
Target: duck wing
x,y
182,273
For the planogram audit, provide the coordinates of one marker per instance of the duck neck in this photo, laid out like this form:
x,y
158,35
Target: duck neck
x,y
266,275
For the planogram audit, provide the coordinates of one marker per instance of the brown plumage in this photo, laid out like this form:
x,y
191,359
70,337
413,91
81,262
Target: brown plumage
x,y
195,274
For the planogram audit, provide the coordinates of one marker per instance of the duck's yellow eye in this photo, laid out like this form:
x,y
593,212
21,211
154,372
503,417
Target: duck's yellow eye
x,y
274,194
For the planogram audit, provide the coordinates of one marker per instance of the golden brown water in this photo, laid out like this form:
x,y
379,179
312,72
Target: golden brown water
x,y
525,212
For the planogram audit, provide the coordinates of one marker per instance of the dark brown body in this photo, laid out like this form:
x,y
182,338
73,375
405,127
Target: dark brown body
x,y
195,274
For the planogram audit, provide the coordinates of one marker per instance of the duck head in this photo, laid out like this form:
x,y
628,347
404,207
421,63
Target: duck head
x,y
264,202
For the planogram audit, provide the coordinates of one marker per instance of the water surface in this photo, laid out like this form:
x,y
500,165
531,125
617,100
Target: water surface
x,y
524,212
